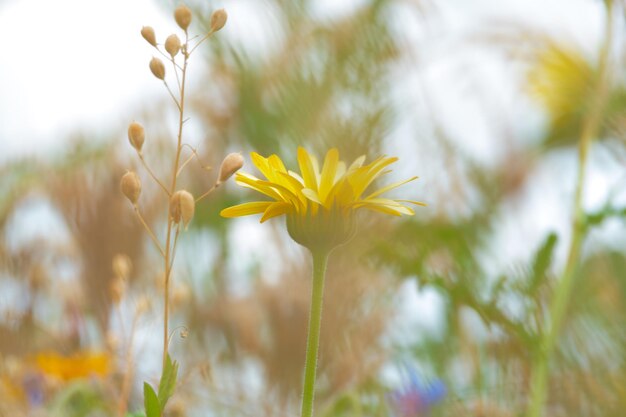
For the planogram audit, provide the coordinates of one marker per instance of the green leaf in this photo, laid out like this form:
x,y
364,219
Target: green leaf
x,y
542,262
151,401
168,381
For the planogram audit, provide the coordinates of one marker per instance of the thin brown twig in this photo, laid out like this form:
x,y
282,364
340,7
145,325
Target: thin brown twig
x,y
204,38
154,177
169,58
150,232
172,95
175,65
126,382
168,239
209,191
194,152
184,164
174,246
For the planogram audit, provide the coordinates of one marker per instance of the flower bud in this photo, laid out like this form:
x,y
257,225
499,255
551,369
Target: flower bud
x,y
218,19
148,34
182,15
231,164
182,207
131,186
172,45
157,68
136,135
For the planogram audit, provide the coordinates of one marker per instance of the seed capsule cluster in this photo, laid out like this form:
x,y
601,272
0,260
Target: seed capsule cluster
x,y
173,45
174,53
181,202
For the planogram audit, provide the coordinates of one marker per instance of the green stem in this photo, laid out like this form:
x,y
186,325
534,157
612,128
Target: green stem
x,y
591,128
320,259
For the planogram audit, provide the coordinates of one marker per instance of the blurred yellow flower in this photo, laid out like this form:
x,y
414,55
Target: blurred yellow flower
x,y
319,204
561,79
11,390
67,368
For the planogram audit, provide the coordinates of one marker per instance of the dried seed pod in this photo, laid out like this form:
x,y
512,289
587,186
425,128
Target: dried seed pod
x,y
38,277
112,341
157,68
172,45
182,15
218,19
122,265
143,304
180,295
117,288
231,164
148,34
136,135
177,407
182,207
131,186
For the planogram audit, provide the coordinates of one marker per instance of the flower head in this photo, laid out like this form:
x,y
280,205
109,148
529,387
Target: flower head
x,y
77,366
319,203
560,78
416,398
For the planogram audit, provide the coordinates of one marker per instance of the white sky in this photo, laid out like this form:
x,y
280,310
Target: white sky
x,y
70,64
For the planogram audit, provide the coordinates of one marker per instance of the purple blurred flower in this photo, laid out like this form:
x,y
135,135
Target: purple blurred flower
x,y
33,388
416,398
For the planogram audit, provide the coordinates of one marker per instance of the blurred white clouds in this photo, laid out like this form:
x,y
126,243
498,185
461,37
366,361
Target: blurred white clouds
x,y
70,63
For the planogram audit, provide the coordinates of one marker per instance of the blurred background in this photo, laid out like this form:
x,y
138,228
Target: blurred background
x,y
486,101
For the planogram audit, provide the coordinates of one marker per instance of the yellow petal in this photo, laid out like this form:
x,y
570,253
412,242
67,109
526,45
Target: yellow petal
x,y
316,169
387,204
363,177
276,209
250,181
341,171
286,194
395,210
246,209
297,176
383,209
342,192
276,163
376,169
311,195
389,187
263,165
307,169
417,203
358,163
292,184
328,174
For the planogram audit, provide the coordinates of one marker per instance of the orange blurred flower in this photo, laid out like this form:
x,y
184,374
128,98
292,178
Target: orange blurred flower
x,y
79,365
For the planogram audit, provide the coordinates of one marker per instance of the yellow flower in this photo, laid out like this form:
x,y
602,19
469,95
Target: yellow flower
x,y
319,204
80,365
561,79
